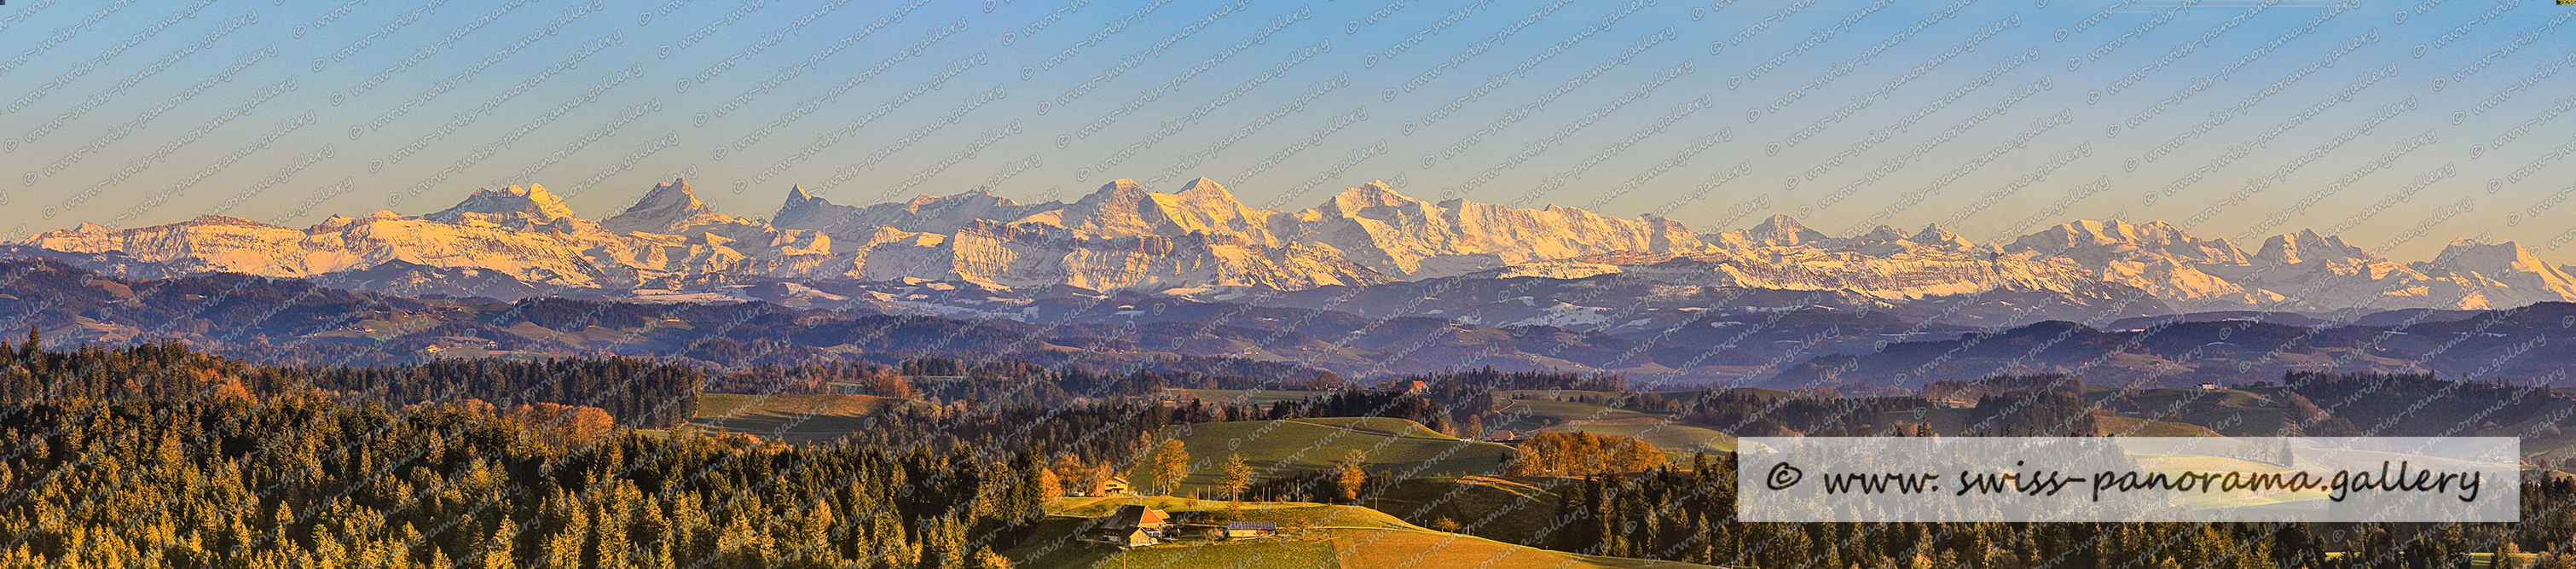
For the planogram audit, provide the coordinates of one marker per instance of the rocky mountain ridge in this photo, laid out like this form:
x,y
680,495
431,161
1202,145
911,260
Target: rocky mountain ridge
x,y
1201,241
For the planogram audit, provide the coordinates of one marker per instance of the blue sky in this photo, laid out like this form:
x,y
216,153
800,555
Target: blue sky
x,y
2407,124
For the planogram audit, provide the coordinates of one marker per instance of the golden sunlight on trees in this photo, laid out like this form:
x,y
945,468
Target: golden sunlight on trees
x,y
1583,454
1349,478
1238,477
1169,464
564,426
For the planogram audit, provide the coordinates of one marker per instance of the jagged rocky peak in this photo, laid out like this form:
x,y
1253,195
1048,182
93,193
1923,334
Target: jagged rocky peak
x,y
2090,238
1203,205
1935,234
667,207
923,213
212,219
1882,234
1119,190
805,211
1123,208
532,204
1780,230
2306,246
1207,191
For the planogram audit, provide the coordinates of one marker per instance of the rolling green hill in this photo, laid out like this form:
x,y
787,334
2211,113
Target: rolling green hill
x,y
1311,536
1251,396
1659,429
1392,447
1510,509
788,418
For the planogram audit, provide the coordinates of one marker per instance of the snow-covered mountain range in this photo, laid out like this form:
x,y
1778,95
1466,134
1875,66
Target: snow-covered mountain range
x,y
1200,241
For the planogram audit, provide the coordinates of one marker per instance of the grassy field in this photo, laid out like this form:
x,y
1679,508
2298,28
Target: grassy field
x,y
1510,509
1381,425
1312,536
1243,396
2135,427
1392,447
788,418
1655,428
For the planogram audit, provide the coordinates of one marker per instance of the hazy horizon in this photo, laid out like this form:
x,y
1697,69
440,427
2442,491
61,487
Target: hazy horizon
x,y
2241,119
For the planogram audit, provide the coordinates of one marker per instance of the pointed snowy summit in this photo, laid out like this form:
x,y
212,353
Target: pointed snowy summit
x,y
667,207
1781,230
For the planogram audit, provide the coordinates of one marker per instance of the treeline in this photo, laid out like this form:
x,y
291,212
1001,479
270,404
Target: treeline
x,y
1089,433
1490,379
1004,381
1356,403
287,480
638,393
2385,400
1580,453
1752,413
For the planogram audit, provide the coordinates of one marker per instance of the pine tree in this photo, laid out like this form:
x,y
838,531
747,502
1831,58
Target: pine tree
x,y
500,551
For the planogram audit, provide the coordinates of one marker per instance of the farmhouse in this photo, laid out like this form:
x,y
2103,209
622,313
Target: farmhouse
x,y
1132,526
1114,486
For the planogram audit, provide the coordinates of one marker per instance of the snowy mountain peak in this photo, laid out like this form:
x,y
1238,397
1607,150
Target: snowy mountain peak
x,y
804,211
1882,234
2306,246
1780,230
1119,190
980,194
1204,188
1120,208
212,219
2095,241
2472,255
1934,234
2513,275
1199,235
512,206
1364,196
664,209
1123,208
